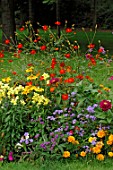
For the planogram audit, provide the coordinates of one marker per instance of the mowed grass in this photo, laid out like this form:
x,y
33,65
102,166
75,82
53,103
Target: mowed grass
x,y
59,165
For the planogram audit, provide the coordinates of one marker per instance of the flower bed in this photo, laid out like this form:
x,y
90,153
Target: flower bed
x,y
55,111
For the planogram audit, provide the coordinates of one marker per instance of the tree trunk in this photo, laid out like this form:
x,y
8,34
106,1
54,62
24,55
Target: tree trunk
x,y
8,20
58,16
31,15
94,13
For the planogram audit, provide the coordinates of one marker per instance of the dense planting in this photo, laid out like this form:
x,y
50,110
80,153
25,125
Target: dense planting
x,y
53,108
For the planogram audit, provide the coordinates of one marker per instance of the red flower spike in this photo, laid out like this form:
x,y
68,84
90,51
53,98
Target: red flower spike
x,y
68,30
7,41
58,23
43,48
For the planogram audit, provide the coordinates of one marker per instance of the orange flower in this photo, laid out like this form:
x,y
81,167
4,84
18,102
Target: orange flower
x,y
96,150
110,137
109,142
52,89
99,144
100,157
101,133
83,154
66,154
71,139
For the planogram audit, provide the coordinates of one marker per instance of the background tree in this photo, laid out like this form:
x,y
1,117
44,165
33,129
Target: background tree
x,y
8,20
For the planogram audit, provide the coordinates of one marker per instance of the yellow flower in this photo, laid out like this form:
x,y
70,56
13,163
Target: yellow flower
x,y
71,139
101,133
110,154
29,70
76,142
45,75
7,79
32,77
101,85
100,157
110,137
83,154
106,89
91,139
96,150
66,154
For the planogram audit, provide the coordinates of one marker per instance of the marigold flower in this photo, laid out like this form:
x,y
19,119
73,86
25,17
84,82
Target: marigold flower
x,y
66,154
99,144
71,139
109,142
110,154
83,154
52,89
101,133
100,157
96,150
110,137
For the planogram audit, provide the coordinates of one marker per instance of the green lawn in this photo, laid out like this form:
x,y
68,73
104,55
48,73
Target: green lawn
x,y
58,165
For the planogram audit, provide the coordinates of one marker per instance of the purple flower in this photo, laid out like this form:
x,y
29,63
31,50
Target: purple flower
x,y
30,140
92,118
90,109
74,121
27,142
36,136
51,118
26,134
73,94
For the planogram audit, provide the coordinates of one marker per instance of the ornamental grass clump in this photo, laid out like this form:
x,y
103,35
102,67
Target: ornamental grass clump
x,y
56,110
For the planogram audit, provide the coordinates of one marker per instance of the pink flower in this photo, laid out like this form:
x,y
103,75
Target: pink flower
x,y
105,105
10,156
111,78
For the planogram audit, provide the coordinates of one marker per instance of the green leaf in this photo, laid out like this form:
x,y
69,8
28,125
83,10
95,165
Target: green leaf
x,y
109,120
100,115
